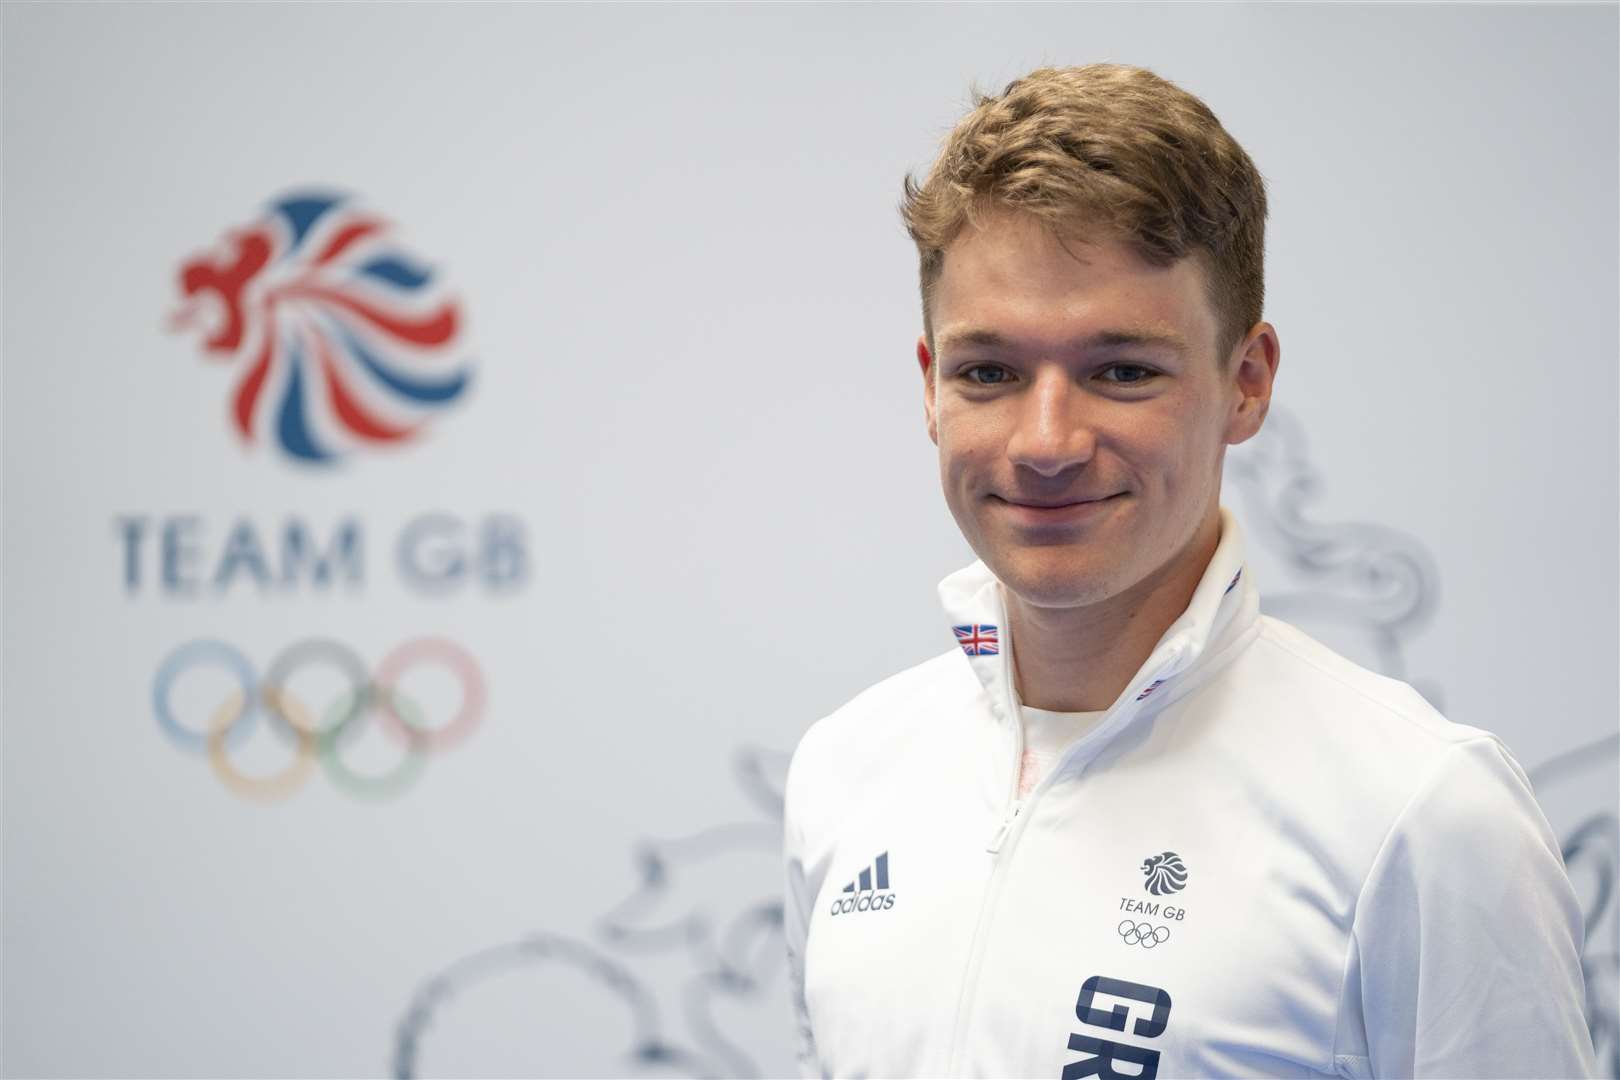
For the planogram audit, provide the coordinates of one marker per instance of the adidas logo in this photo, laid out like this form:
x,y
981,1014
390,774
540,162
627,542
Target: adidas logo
x,y
868,892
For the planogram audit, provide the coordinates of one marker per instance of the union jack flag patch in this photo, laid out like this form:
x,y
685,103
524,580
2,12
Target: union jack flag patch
x,y
1154,685
978,639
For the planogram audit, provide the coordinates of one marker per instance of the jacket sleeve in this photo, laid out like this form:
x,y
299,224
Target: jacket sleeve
x,y
1465,955
796,905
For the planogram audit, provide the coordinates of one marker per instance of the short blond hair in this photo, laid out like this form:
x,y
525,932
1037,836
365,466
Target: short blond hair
x,y
1103,151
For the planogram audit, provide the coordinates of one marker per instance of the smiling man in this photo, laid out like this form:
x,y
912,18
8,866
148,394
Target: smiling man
x,y
1127,825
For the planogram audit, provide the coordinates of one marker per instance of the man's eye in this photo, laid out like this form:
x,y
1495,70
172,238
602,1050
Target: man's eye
x,y
993,375
1138,373
967,374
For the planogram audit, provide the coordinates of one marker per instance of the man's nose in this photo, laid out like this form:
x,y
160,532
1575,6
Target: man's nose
x,y
1053,425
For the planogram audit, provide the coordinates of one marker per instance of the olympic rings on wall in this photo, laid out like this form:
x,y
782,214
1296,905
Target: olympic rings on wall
x,y
319,737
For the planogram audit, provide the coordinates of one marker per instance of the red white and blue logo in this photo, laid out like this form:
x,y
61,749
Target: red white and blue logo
x,y
979,639
342,340
1154,685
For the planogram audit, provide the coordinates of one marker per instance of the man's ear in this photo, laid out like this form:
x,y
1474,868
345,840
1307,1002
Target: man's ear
x,y
926,362
1253,372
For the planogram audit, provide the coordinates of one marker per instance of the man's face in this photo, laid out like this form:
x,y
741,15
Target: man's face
x,y
1030,402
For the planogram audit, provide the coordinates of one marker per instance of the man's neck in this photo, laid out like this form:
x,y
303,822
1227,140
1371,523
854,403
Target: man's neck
x,y
1080,659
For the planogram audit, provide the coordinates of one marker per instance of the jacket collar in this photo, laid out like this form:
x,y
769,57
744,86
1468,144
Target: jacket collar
x,y
1224,605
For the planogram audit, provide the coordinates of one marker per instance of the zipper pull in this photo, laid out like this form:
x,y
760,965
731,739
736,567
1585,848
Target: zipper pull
x,y
1001,831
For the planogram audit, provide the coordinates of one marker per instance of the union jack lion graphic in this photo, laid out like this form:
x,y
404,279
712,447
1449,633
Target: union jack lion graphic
x,y
1166,873
341,338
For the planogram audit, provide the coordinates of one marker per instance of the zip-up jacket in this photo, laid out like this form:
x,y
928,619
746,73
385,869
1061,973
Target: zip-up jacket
x,y
1265,860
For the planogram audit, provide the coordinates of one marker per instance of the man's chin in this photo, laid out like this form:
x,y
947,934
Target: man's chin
x,y
1053,576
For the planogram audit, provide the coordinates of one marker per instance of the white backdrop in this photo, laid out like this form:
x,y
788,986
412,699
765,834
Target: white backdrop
x,y
686,504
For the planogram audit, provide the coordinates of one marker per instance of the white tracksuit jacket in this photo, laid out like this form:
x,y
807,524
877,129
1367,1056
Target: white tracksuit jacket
x,y
1265,861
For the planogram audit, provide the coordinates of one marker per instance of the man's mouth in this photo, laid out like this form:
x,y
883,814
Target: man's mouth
x,y
1058,512
1049,504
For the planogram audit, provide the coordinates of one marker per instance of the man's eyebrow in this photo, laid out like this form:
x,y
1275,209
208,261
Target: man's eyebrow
x,y
1102,339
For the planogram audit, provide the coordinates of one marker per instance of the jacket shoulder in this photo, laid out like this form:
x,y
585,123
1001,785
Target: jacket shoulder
x,y
839,752
1357,698
888,707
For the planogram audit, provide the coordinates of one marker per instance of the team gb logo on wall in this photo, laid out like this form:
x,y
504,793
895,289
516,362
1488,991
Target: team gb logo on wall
x,y
341,340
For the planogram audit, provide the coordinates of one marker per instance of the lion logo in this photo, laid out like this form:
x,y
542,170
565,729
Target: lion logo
x,y
1166,873
342,339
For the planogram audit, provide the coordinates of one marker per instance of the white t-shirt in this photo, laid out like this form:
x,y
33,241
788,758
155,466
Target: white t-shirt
x,y
1046,735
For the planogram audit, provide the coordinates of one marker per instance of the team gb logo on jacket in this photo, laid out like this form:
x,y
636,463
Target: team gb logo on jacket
x,y
340,339
1166,873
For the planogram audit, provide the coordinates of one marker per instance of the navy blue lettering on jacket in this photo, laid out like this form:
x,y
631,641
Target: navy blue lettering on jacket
x,y
1103,1053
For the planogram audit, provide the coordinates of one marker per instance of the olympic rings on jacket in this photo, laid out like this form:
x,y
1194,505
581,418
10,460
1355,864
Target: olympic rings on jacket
x,y
319,737
1144,934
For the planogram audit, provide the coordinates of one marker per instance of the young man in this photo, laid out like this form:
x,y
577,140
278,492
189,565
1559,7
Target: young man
x,y
1126,825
